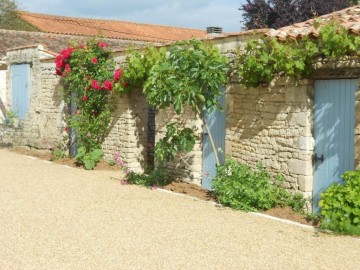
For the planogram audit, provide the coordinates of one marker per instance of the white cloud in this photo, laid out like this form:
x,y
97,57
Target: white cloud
x,y
187,13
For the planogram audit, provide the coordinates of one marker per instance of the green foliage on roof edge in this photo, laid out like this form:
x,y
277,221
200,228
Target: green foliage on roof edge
x,y
267,58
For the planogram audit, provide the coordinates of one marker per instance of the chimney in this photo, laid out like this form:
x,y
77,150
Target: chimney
x,y
214,30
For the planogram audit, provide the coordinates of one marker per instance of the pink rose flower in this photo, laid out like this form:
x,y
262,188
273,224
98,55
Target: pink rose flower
x,y
108,85
103,45
117,75
96,85
84,98
94,60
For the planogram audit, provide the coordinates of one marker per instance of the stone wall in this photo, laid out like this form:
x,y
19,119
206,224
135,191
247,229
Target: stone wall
x,y
273,126
2,94
43,125
10,136
128,131
189,167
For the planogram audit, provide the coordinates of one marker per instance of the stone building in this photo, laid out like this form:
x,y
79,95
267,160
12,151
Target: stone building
x,y
29,86
308,131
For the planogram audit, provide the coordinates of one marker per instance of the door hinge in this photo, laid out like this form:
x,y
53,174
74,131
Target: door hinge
x,y
316,159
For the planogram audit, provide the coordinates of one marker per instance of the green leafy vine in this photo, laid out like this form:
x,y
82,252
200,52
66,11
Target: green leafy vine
x,y
266,58
189,73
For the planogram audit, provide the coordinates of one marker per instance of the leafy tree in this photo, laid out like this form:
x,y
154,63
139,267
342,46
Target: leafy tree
x,y
9,18
259,14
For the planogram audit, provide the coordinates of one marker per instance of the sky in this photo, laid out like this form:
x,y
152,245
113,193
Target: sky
x,y
197,14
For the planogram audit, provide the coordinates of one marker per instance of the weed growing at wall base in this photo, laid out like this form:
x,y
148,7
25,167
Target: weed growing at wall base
x,y
241,187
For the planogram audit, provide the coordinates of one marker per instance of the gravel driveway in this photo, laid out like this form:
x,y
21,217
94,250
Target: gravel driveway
x,y
55,217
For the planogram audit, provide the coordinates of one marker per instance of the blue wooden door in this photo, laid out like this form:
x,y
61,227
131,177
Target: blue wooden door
x,y
20,77
334,124
216,120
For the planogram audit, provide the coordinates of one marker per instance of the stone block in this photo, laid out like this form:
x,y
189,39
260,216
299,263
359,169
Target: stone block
x,y
299,119
274,97
305,183
300,167
306,143
285,142
296,94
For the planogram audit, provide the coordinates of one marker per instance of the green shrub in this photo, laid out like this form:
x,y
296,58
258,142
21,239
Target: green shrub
x,y
89,159
340,205
58,153
156,177
241,187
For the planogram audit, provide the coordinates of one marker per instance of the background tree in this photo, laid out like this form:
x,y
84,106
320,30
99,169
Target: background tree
x,y
278,13
9,18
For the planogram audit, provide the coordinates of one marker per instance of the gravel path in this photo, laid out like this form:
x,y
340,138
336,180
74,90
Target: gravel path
x,y
54,217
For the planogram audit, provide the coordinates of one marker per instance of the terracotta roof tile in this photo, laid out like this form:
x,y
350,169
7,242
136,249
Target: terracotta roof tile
x,y
349,18
109,28
10,39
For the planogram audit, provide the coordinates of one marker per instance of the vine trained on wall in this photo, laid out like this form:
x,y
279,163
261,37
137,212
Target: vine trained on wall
x,y
267,58
190,73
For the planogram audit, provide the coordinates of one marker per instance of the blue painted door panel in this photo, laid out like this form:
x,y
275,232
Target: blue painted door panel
x,y
334,124
20,76
216,121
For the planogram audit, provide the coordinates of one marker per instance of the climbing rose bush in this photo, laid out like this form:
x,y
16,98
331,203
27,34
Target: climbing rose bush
x,y
91,82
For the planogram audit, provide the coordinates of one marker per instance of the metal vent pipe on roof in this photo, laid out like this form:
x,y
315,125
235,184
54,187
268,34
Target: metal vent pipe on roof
x,y
214,30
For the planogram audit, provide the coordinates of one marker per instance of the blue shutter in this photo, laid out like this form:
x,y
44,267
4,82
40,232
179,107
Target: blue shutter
x,y
20,78
216,121
334,128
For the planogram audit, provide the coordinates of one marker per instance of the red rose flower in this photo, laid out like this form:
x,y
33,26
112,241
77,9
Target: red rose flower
x,y
94,60
108,85
67,68
103,45
58,71
59,61
96,85
67,52
84,98
117,75
124,84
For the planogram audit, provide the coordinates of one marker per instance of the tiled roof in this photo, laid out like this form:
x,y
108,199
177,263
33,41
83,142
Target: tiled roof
x,y
10,39
109,28
349,18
